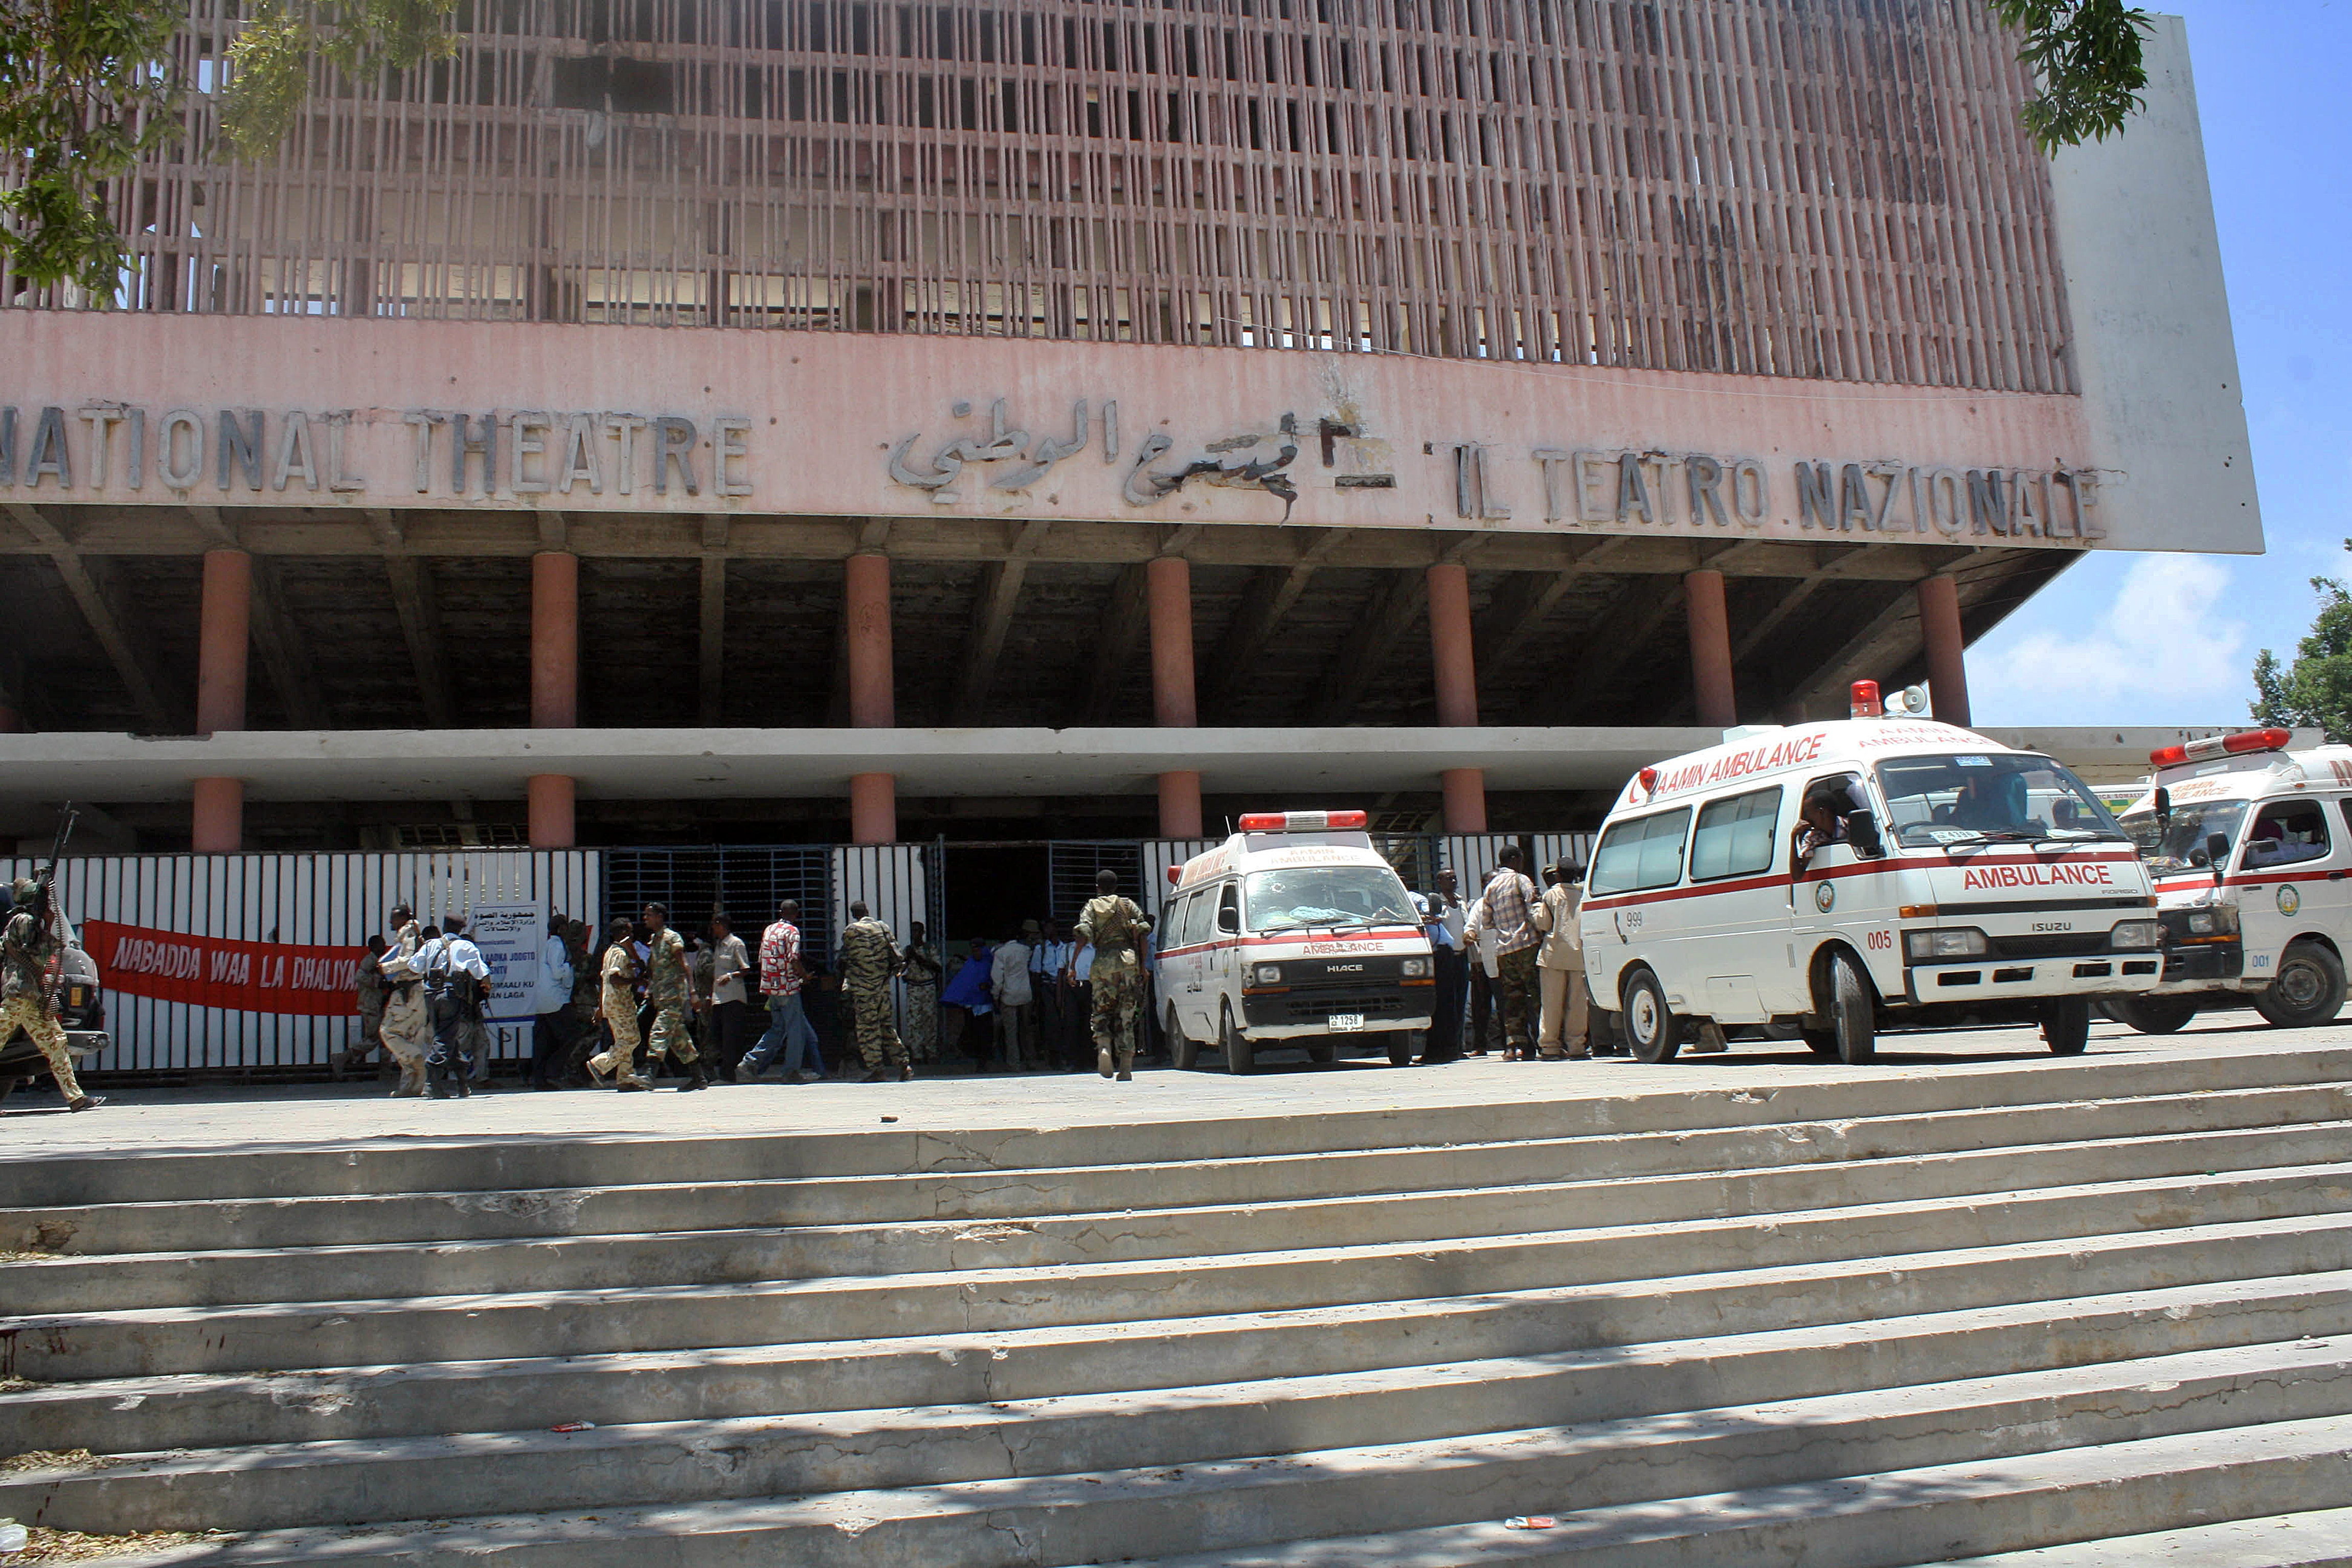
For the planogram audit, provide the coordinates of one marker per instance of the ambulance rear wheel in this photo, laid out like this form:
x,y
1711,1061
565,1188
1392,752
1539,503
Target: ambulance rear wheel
x,y
2309,989
2153,1015
1240,1056
2066,1025
1650,1027
1852,1022
1183,1051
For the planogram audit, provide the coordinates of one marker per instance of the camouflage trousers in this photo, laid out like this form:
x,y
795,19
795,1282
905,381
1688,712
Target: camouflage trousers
x,y
621,1059
1118,1002
671,1037
33,1016
875,1029
1516,998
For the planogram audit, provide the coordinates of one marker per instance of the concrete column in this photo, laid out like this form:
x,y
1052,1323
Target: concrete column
x,y
554,688
224,633
1940,624
1453,665
1173,706
873,698
1710,647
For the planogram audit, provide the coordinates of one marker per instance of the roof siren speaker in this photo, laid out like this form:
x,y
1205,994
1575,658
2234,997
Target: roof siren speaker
x,y
1910,702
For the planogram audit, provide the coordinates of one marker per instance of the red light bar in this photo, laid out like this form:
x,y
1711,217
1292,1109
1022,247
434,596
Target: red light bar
x,y
1300,822
1863,700
1175,874
2243,742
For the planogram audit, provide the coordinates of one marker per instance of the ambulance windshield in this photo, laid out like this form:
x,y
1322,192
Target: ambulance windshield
x,y
2178,844
1299,896
1974,796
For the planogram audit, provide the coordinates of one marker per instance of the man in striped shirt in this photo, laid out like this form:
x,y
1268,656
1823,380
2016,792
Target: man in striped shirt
x,y
1502,910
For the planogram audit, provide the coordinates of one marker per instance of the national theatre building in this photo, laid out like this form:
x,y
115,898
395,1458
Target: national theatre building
x,y
847,419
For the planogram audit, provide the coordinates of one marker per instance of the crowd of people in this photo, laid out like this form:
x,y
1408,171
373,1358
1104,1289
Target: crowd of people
x,y
651,998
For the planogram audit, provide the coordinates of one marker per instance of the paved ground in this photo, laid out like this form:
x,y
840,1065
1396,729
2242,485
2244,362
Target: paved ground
x,y
154,1118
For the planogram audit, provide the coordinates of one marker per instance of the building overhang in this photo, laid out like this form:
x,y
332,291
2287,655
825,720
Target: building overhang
x,y
773,764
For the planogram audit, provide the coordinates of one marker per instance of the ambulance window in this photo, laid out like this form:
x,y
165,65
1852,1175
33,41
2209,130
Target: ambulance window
x,y
1196,916
1646,851
1735,837
2284,833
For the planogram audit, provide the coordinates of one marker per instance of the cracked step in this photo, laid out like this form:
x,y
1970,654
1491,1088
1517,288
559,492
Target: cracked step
x,y
66,1284
183,1226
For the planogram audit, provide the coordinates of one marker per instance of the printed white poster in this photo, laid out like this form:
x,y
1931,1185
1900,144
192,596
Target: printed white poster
x,y
510,937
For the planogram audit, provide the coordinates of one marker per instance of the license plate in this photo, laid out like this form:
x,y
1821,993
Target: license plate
x,y
75,997
1345,1023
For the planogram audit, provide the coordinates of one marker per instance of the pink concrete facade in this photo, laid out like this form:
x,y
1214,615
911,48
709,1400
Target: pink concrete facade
x,y
348,414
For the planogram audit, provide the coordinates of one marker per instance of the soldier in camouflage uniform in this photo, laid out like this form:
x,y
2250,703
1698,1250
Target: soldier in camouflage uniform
x,y
617,1010
29,944
670,991
869,959
1115,927
407,1029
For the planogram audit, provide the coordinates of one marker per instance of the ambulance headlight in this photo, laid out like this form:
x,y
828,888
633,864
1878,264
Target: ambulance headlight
x,y
1266,974
1412,969
2214,920
1961,942
2136,937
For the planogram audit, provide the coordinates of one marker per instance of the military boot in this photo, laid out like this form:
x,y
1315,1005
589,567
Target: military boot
x,y
1127,1065
695,1077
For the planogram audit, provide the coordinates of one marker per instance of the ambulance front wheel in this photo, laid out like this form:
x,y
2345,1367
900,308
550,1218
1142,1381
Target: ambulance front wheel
x,y
2066,1025
1401,1043
1853,1019
1650,1027
2308,989
1240,1056
1323,1054
1182,1049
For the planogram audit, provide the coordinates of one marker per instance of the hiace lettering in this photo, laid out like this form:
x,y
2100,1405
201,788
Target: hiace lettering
x,y
2079,874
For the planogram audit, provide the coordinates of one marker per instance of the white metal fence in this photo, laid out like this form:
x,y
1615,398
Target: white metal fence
x,y
312,900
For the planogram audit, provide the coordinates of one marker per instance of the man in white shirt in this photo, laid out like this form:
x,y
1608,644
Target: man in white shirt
x,y
555,1031
456,982
731,1002
1008,982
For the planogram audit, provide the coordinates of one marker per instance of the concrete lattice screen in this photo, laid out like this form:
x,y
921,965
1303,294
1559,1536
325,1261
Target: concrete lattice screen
x,y
1833,188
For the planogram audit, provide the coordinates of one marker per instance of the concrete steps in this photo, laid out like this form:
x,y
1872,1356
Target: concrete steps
x,y
1346,1340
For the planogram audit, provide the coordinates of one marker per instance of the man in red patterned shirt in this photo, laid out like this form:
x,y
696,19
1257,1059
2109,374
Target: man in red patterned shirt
x,y
789,1030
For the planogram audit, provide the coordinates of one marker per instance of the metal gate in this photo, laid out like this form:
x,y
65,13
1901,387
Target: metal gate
x,y
1071,866
747,884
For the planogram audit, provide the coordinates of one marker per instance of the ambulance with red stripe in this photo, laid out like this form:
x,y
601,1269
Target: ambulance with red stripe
x,y
2250,845
1841,878
1293,932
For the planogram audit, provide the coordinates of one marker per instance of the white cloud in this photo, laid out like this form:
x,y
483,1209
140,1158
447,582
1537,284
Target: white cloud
x,y
2158,653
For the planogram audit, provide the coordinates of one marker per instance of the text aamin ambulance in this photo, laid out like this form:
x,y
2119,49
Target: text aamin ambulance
x,y
2250,845
1945,879
1292,931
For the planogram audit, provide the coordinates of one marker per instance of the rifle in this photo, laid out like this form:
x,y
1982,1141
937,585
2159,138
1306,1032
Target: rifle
x,y
45,907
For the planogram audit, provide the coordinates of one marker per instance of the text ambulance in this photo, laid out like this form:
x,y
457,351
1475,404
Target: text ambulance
x,y
1834,877
1292,931
2250,846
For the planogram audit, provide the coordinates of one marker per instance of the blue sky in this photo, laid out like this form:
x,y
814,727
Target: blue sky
x,y
2170,639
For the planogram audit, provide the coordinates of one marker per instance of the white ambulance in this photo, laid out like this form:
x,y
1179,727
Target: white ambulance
x,y
2250,846
1835,878
1292,931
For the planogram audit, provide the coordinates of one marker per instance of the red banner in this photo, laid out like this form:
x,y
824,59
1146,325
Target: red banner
x,y
207,972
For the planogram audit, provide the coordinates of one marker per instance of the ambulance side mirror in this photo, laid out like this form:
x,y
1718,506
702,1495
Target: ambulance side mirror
x,y
1861,832
2163,806
1229,919
2217,850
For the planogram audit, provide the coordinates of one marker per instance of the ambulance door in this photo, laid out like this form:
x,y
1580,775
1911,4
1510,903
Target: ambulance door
x,y
1179,966
1839,894
1220,925
1741,905
2291,880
